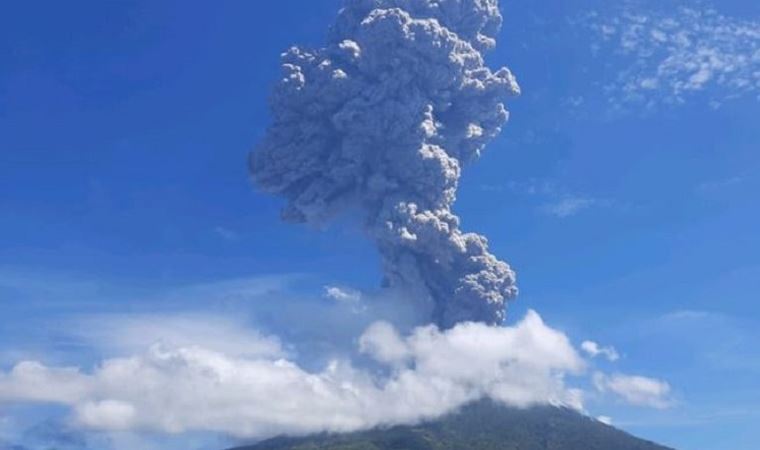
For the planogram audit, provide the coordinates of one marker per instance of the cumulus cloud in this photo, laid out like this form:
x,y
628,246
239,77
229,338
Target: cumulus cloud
x,y
381,122
671,55
636,390
420,375
31,381
384,344
593,350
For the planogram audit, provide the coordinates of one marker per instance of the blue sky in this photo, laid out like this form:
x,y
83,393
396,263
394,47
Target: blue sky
x,y
623,191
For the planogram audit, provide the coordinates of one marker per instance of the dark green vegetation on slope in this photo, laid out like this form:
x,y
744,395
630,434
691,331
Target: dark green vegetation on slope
x,y
480,426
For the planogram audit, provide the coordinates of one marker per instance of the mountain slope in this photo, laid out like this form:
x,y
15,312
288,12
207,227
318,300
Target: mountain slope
x,y
480,426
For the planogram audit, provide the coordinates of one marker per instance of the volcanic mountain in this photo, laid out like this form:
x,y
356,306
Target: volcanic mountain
x,y
483,425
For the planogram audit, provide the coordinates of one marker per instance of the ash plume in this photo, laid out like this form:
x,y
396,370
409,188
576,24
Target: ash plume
x,y
381,121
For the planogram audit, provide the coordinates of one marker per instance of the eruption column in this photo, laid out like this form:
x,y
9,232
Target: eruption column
x,y
381,121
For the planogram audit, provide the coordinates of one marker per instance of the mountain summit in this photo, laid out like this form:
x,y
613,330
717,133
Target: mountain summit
x,y
483,425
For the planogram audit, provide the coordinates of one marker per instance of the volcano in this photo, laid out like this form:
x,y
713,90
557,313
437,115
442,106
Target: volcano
x,y
483,425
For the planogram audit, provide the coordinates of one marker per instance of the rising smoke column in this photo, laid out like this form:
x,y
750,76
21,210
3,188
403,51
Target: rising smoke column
x,y
381,121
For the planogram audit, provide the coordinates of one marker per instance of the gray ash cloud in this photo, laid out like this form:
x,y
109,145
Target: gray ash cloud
x,y
381,121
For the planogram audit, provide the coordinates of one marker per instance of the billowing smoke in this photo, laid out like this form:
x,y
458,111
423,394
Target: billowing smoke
x,y
381,121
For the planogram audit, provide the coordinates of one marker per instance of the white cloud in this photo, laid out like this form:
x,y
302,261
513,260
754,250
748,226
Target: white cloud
x,y
555,200
211,371
384,344
636,390
426,373
114,415
687,314
346,297
568,206
31,381
667,56
228,316
605,420
128,333
593,350
343,294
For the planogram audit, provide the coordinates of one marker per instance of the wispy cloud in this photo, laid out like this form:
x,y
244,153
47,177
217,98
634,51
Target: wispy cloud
x,y
346,296
594,350
568,206
667,56
342,294
129,333
605,420
720,185
687,315
636,390
554,200
55,317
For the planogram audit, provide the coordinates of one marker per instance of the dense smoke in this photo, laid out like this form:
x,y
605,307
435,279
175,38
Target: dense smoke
x,y
381,121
